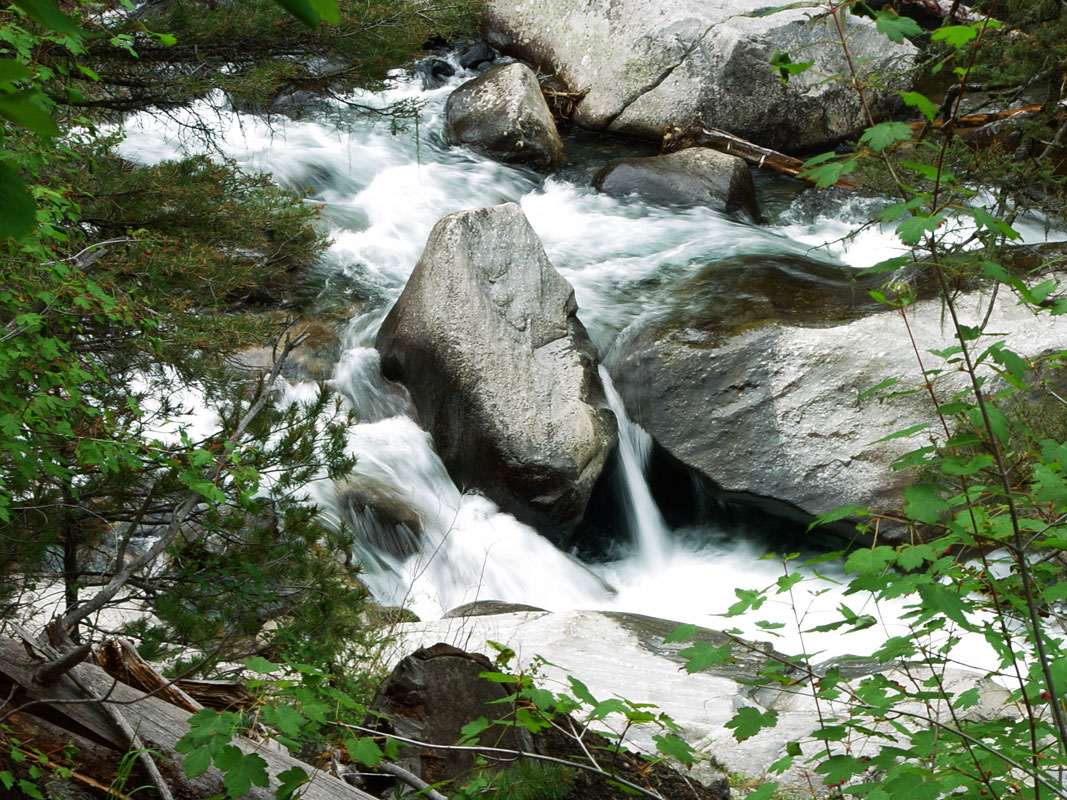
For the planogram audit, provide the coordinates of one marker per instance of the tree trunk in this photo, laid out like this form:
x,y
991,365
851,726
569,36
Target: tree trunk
x,y
63,713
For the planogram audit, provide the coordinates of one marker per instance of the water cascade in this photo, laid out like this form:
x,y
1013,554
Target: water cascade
x,y
647,527
381,194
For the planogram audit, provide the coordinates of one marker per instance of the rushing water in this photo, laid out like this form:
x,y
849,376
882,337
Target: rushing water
x,y
381,194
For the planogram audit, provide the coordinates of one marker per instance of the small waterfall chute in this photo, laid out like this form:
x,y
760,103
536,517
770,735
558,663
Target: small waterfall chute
x,y
648,530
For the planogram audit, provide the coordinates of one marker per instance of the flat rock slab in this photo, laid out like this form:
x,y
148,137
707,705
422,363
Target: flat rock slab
x,y
617,655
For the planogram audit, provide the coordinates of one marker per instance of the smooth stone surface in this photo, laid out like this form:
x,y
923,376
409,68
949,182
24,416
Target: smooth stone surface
x,y
758,384
616,655
503,115
487,339
697,176
644,66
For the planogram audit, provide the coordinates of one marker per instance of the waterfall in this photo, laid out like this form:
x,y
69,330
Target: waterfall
x,y
647,528
422,542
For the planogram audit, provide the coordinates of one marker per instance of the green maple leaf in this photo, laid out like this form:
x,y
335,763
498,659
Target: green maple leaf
x,y
364,750
839,768
885,134
671,744
702,655
749,721
896,27
289,781
912,230
242,770
955,36
942,600
870,561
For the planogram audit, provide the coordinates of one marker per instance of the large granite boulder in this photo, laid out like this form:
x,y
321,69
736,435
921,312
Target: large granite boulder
x,y
643,66
501,371
756,379
696,176
503,115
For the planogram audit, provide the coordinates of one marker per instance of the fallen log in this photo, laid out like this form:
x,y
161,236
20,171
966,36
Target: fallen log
x,y
120,660
48,717
725,142
978,120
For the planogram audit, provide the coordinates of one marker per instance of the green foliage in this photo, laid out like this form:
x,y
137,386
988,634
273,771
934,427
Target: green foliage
x,y
983,554
526,780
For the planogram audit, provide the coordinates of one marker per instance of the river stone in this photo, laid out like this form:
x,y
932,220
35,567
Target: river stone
x,y
756,379
503,115
618,655
380,515
430,696
696,176
486,337
644,66
487,608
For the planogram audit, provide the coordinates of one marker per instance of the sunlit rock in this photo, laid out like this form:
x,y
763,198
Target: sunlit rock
x,y
757,377
643,66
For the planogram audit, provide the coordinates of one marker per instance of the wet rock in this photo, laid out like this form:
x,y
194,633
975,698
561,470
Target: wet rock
x,y
435,72
430,696
644,66
756,379
380,516
503,115
485,608
697,176
477,56
486,338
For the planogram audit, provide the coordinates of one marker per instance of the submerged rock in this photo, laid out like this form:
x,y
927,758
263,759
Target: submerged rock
x,y
380,516
643,66
696,176
502,373
503,115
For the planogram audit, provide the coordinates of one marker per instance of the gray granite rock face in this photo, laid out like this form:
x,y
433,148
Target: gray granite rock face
x,y
696,176
503,115
645,65
757,380
502,373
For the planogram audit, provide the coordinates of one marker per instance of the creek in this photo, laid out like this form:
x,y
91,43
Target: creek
x,y
380,195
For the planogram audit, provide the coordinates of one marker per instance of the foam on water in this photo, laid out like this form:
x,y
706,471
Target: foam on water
x,y
381,194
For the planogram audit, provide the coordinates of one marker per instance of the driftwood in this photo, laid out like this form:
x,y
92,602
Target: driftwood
x,y
222,695
120,660
978,120
61,712
725,142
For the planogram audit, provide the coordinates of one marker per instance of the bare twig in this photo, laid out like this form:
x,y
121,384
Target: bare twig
x,y
411,779
510,753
